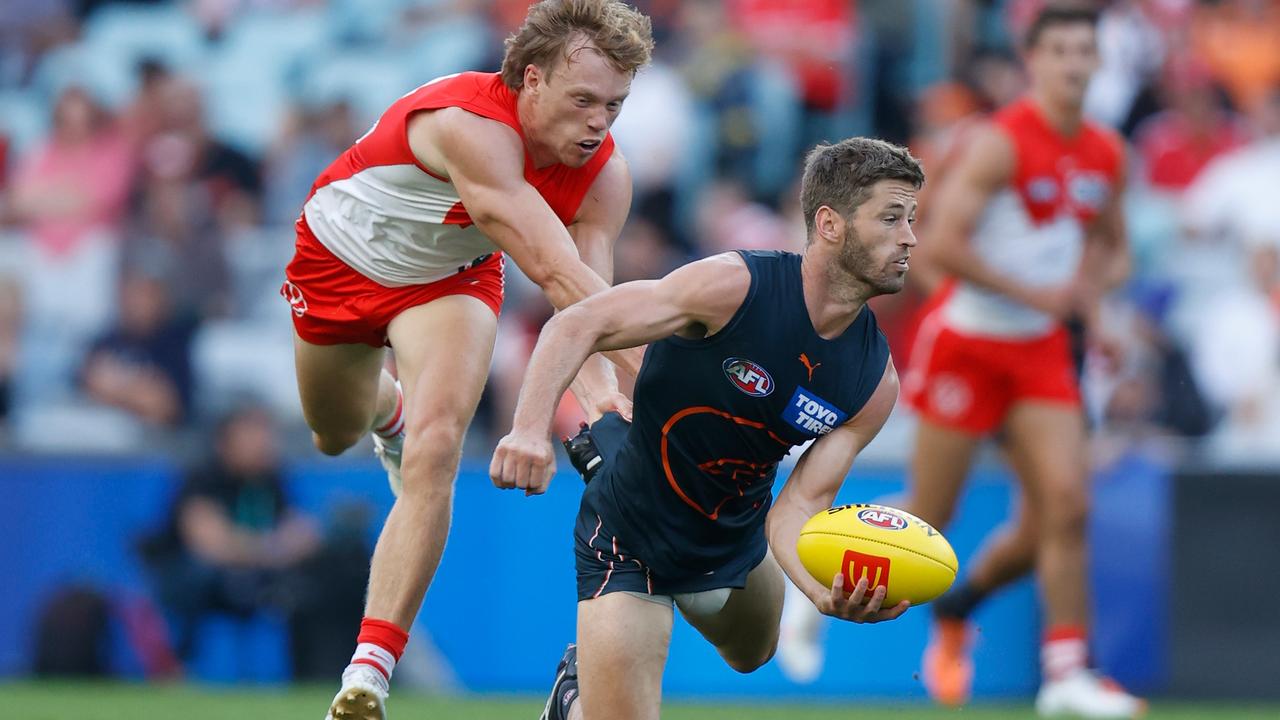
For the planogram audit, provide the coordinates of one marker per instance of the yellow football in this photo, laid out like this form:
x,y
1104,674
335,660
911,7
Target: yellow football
x,y
886,545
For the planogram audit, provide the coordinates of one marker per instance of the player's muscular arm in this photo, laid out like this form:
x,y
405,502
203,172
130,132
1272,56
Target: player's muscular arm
x,y
1107,261
982,170
1105,266
602,214
693,301
985,167
484,160
812,487
594,231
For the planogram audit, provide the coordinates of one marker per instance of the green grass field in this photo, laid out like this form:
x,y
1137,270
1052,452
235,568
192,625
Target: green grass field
x,y
89,701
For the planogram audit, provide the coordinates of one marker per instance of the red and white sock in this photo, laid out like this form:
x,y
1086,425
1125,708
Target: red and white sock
x,y
379,646
1065,650
392,424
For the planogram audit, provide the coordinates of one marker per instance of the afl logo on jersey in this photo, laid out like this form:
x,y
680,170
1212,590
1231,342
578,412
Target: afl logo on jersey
x,y
748,377
876,517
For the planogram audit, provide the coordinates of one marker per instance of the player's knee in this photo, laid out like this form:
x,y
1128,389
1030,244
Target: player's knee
x,y
1027,529
438,425
937,517
335,443
749,658
751,661
436,442
432,451
1066,508
935,514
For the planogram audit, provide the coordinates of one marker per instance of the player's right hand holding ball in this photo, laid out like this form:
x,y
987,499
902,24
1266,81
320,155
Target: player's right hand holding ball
x,y
523,461
858,606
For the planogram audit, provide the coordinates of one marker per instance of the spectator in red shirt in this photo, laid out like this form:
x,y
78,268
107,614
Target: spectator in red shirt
x,y
1176,144
813,38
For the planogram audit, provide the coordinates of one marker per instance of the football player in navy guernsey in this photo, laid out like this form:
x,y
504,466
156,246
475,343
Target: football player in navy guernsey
x,y
750,354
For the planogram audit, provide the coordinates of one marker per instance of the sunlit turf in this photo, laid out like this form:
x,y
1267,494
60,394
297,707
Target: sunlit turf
x,y
118,701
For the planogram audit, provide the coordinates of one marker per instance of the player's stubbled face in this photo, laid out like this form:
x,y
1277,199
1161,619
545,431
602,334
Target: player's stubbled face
x,y
878,238
576,104
1063,60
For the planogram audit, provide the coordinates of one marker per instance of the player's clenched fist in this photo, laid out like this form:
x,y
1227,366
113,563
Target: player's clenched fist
x,y
523,462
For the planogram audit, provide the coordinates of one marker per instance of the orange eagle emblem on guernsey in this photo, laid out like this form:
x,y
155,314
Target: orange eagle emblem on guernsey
x,y
809,366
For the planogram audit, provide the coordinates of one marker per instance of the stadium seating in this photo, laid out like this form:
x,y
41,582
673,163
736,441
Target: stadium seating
x,y
23,118
131,33
104,74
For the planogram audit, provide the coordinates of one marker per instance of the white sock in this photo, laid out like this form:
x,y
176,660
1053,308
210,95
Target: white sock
x,y
392,423
371,663
1060,658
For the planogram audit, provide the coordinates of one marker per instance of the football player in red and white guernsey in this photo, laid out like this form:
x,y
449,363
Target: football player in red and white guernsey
x,y
1029,225
401,244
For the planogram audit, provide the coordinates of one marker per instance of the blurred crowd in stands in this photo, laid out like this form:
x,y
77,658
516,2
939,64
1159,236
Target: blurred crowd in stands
x,y
153,156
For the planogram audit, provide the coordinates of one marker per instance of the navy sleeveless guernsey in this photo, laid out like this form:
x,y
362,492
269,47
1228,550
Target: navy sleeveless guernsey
x,y
679,503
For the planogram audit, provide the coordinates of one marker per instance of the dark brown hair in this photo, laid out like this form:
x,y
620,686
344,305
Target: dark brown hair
x,y
623,35
841,176
1054,15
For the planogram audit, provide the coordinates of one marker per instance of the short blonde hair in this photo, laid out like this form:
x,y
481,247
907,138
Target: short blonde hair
x,y
623,35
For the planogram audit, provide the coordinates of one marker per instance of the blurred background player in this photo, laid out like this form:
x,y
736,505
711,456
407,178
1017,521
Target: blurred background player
x,y
400,243
1029,224
740,342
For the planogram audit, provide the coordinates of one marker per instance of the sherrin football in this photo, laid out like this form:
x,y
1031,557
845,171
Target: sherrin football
x,y
886,545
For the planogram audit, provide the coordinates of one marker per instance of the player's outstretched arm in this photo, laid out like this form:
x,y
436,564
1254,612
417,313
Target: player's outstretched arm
x,y
811,488
1106,265
484,160
595,230
694,301
1107,261
984,168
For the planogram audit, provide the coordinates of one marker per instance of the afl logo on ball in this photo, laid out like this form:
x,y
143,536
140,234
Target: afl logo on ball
x,y
883,519
748,377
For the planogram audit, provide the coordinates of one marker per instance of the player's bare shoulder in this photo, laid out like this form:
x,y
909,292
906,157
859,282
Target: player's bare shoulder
x,y
990,157
614,179
453,137
882,401
710,291
608,200
616,169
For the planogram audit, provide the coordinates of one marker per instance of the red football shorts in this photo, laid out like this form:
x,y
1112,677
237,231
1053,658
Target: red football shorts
x,y
969,383
333,304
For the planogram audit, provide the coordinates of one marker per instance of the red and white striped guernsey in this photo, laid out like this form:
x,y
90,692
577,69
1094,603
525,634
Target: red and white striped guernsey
x,y
379,210
1034,228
